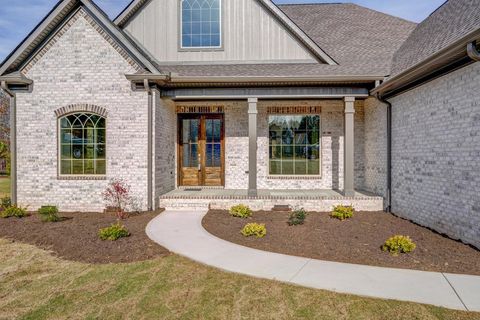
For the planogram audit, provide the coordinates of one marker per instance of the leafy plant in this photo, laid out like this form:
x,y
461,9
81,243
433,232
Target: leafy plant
x,y
297,217
114,232
14,211
117,195
241,211
399,244
49,213
254,229
5,203
342,212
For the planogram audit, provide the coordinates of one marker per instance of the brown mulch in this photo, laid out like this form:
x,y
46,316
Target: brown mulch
x,y
76,237
357,240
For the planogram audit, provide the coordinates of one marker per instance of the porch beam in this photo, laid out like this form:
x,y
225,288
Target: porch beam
x,y
252,146
349,148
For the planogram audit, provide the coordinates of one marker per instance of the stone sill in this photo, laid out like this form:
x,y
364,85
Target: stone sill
x,y
82,178
280,177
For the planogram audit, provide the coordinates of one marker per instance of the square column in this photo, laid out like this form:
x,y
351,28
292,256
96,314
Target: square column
x,y
252,146
349,148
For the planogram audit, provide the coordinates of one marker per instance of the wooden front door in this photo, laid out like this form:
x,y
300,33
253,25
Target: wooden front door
x,y
201,150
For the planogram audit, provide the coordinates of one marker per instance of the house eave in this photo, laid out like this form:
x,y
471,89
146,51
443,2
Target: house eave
x,y
447,59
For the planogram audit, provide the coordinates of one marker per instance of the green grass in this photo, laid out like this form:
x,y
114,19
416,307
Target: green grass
x,y
36,285
4,186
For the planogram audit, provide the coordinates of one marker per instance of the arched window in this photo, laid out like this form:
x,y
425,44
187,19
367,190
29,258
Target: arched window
x,y
82,144
201,24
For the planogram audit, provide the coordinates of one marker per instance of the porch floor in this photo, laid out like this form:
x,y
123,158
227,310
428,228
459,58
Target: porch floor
x,y
209,193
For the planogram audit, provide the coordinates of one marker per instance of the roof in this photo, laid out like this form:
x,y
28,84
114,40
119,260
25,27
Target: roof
x,y
432,35
54,19
358,38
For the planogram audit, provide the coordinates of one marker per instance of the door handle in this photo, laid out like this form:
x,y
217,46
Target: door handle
x,y
199,162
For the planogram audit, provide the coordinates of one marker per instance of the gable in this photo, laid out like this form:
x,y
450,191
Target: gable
x,y
79,47
55,20
250,33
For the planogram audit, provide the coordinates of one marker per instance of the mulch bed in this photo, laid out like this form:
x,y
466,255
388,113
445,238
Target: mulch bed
x,y
76,237
357,240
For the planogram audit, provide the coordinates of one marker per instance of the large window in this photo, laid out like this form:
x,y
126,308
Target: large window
x,y
294,144
201,24
82,144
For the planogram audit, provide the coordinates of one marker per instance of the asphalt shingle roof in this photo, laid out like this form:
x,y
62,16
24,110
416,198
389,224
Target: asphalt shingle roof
x,y
360,40
449,23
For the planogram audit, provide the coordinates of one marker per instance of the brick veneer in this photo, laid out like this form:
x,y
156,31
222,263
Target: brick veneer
x,y
80,66
436,151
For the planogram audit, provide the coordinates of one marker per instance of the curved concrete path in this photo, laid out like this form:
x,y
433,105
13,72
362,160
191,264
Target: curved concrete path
x,y
182,233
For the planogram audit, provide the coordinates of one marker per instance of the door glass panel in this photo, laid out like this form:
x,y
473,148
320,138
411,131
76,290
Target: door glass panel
x,y
190,130
213,155
190,155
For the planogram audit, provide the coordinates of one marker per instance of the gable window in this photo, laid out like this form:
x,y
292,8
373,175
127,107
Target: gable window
x,y
82,144
201,24
294,144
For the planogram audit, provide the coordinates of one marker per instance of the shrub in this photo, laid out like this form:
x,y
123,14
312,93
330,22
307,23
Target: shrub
x,y
49,214
297,217
254,229
14,211
240,211
399,244
114,232
117,195
342,212
5,203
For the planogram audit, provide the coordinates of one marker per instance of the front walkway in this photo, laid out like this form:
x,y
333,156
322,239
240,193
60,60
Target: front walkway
x,y
181,232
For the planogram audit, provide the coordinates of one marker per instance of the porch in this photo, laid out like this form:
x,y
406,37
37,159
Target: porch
x,y
310,200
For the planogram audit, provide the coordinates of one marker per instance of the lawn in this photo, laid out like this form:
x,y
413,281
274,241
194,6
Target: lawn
x,y
36,285
4,186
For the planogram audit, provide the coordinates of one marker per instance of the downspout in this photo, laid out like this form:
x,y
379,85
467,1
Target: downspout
x,y
388,207
149,147
13,142
472,51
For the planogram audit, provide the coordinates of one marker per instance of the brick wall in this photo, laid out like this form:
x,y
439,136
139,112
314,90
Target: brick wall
x,y
79,65
375,146
436,152
165,137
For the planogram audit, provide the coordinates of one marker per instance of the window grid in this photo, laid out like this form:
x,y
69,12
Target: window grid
x,y
82,144
200,24
294,145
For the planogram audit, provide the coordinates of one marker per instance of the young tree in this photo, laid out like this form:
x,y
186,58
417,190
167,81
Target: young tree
x,y
117,195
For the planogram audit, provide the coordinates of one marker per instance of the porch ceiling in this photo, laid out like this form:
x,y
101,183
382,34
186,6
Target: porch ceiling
x,y
264,93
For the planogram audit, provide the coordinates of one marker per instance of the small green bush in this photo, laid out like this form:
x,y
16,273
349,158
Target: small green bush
x,y
114,232
14,211
240,211
399,244
342,212
5,203
49,214
254,229
297,217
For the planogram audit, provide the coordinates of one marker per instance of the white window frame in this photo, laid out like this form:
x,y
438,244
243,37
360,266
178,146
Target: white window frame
x,y
180,35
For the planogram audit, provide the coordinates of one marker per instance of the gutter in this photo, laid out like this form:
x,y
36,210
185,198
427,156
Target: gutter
x,y
13,142
226,79
446,60
472,51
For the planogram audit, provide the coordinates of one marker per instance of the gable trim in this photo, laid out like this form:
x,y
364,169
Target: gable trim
x,y
135,5
44,29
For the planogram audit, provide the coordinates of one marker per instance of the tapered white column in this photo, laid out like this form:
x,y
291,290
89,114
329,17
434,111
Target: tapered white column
x,y
349,148
252,147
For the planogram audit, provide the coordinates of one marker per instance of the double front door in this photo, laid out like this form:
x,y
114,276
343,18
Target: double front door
x,y
201,150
